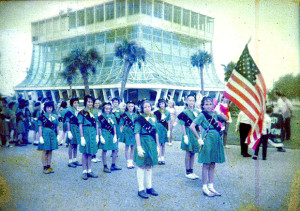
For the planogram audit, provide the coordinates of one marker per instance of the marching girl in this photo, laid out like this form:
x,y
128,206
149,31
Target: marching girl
x,y
48,135
117,112
127,128
97,113
189,142
147,148
163,117
89,137
213,150
173,113
73,133
108,137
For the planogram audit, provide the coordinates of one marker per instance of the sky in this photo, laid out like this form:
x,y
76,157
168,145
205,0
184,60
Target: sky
x,y
272,25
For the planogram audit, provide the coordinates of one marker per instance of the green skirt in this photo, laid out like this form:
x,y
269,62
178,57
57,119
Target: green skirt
x,y
128,136
50,140
193,145
89,133
109,144
150,147
76,135
162,133
212,150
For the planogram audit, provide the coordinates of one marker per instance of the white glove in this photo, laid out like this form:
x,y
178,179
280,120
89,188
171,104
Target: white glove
x,y
58,138
97,139
200,141
102,140
186,139
82,141
140,151
115,139
169,134
41,140
69,135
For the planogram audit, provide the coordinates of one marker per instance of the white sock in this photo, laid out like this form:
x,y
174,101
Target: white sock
x,y
149,178
159,159
70,161
84,171
210,185
140,173
74,159
163,158
204,186
90,170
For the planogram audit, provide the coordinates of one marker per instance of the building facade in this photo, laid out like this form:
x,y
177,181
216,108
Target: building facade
x,y
169,33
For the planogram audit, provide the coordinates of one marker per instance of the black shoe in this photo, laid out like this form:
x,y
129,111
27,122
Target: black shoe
x,y
163,163
264,158
92,175
72,165
106,170
77,163
254,158
84,176
115,168
159,162
152,192
247,155
280,149
143,194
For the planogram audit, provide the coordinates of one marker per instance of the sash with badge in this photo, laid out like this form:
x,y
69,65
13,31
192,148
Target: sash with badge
x,y
127,121
88,117
72,117
160,119
187,120
212,121
116,116
105,124
47,123
147,126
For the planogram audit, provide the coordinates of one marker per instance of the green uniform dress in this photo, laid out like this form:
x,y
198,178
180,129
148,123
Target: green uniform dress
x,y
89,133
148,144
107,135
71,116
193,145
20,123
117,112
63,119
161,129
49,135
35,116
128,136
212,150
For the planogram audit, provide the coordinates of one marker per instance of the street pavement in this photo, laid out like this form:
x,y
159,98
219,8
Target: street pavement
x,y
243,182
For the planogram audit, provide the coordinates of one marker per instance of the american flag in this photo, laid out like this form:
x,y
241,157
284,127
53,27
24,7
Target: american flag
x,y
246,89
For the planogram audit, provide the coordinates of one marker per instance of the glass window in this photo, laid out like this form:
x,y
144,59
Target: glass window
x,y
100,38
56,24
63,22
90,15
194,21
186,17
100,13
158,9
210,23
168,12
120,34
35,28
167,37
48,26
157,35
120,8
147,7
177,15
109,11
202,22
110,36
80,18
133,7
72,20
146,33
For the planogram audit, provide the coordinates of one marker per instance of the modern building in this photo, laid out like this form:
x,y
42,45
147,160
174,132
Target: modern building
x,y
169,33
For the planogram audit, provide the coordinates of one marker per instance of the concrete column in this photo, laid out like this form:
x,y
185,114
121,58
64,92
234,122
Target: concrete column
x,y
166,94
218,96
180,95
158,93
69,93
25,95
95,93
77,93
44,93
53,96
172,94
60,94
112,94
104,95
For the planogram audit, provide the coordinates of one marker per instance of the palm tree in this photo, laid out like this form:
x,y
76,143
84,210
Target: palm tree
x,y
198,60
131,53
84,61
228,70
69,74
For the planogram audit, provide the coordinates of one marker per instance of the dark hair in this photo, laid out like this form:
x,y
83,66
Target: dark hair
x,y
37,104
161,100
130,102
63,104
103,106
115,98
143,103
192,95
269,109
49,104
206,99
86,99
11,105
74,99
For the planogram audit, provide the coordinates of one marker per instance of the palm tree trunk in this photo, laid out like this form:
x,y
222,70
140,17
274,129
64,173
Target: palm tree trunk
x,y
71,92
201,80
86,85
126,68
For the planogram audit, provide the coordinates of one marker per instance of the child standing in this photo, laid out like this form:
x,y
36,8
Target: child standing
x,y
189,142
48,135
213,150
108,137
173,113
97,113
145,155
127,128
88,128
163,117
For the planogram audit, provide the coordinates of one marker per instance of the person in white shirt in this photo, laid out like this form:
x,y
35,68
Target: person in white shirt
x,y
243,125
265,135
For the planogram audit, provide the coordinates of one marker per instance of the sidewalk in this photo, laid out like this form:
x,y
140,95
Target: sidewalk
x,y
65,190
